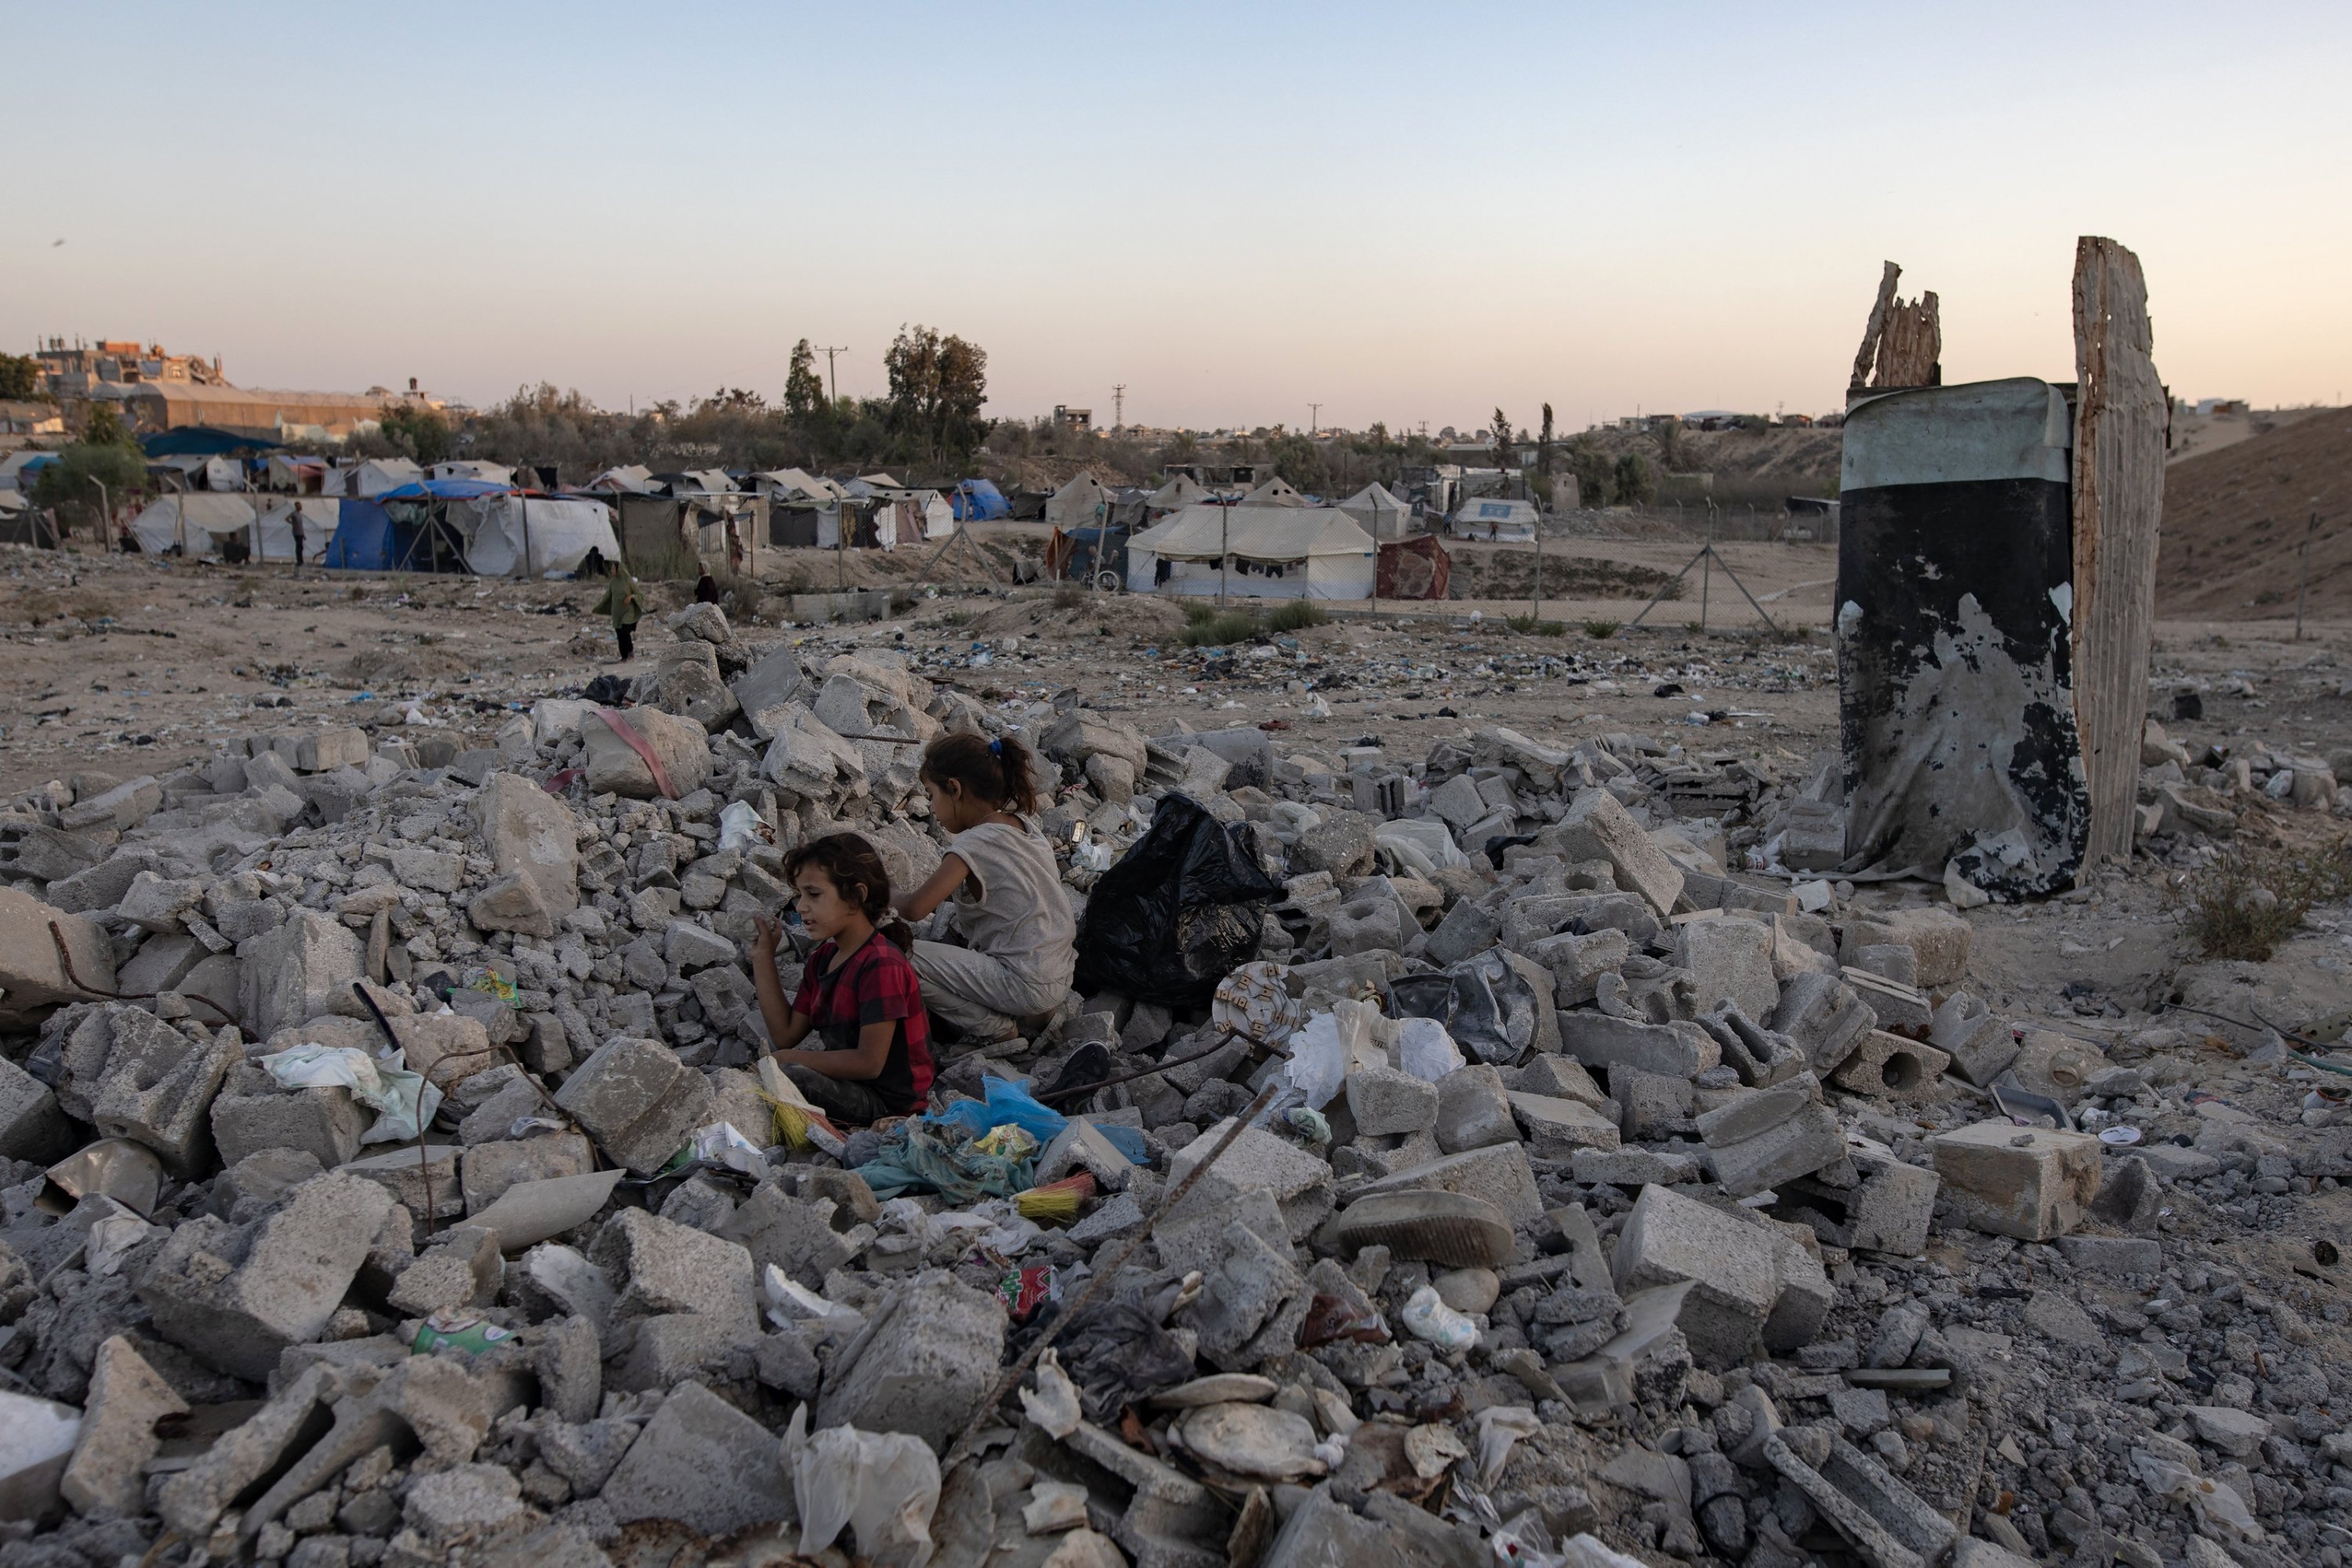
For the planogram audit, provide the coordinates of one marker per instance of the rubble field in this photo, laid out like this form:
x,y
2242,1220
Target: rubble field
x,y
1488,1128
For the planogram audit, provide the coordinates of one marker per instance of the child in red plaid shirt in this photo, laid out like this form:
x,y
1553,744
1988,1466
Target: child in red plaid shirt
x,y
857,993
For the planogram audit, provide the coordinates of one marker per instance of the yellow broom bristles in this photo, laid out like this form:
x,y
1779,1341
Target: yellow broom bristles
x,y
1055,1202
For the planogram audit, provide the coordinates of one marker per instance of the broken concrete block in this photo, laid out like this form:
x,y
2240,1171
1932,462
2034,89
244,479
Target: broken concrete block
x,y
1384,1102
300,970
1898,1007
1299,1184
1764,1137
107,1473
2031,1183
1938,940
1557,1128
1982,1047
638,1101
157,1090
33,1125
1889,1523
1252,1301
158,904
792,1234
125,807
489,1170
1729,960
927,1366
1561,1076
703,1463
1578,962
1598,827
326,1124
1678,1049
529,833
407,1175
32,977
682,746
1762,1056
1888,1066
1824,1017
511,903
1669,1239
1802,1294
237,1296
1498,1174
448,1048
1472,1109
1887,1210
669,1268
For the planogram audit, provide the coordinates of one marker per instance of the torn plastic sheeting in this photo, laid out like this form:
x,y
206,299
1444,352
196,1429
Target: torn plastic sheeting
x,y
1420,846
1120,1353
721,1144
1425,1051
131,1173
1006,1104
943,1157
403,1101
740,827
1052,1402
1500,1427
1183,908
882,1487
790,1302
1485,1006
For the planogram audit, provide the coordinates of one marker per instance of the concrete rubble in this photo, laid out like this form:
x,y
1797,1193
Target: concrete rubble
x,y
1654,1201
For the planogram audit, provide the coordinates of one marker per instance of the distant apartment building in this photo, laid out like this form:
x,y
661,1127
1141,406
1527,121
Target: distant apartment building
x,y
154,390
1070,418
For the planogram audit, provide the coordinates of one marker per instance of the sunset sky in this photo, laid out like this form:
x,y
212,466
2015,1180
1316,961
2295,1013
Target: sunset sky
x,y
1404,213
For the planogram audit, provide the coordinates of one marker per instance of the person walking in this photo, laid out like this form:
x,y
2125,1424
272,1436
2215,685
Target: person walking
x,y
621,601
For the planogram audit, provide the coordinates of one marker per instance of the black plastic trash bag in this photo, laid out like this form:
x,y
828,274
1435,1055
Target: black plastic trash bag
x,y
1483,1003
1183,908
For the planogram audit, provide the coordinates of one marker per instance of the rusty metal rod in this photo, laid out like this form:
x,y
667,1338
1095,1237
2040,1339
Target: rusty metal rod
x,y
65,957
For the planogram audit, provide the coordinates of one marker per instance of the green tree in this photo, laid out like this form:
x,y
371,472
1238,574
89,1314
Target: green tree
x,y
1301,461
939,384
89,475
1502,441
1636,482
20,377
803,389
421,433
1596,476
104,427
1543,444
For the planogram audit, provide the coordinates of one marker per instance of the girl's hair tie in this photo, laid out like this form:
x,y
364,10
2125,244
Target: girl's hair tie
x,y
996,747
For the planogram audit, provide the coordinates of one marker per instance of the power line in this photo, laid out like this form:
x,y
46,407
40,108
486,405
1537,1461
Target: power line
x,y
829,376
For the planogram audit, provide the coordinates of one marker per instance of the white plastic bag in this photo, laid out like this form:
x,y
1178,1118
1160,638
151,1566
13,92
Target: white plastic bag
x,y
1425,1051
721,1145
1500,1427
883,1487
1053,1404
403,1102
1429,1318
740,827
1420,846
1327,1049
790,1302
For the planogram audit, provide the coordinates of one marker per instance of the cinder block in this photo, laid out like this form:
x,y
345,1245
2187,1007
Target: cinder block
x,y
1598,827
1557,1127
2030,1183
637,1101
1888,1066
1729,1265
1766,1136
1729,960
1673,1050
1824,1017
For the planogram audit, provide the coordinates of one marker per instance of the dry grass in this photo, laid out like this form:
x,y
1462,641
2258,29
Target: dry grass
x,y
2252,898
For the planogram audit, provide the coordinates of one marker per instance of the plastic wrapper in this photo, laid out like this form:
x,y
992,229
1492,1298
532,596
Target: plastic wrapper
x,y
721,1144
1052,1402
740,827
1427,1317
1120,1355
1026,1289
1488,1010
881,1486
1425,1050
1181,909
1317,1068
920,1157
790,1302
403,1102
1420,846
1500,1427
1006,1104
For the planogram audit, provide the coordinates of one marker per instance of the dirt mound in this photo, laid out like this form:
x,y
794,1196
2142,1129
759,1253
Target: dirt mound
x,y
394,668
2234,522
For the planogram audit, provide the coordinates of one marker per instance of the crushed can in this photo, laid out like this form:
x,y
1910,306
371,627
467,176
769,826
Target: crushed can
x,y
451,1328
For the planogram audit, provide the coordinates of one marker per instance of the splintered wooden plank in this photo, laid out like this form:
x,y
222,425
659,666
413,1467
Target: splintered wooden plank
x,y
2118,506
1875,327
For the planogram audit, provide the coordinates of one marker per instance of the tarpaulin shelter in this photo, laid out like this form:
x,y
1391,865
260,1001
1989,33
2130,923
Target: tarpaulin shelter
x,y
1082,554
1415,568
369,538
378,475
977,501
533,536
1275,492
1277,552
473,468
201,441
1083,502
273,534
1379,512
293,474
633,480
1495,519
1178,493
193,523
796,485
439,540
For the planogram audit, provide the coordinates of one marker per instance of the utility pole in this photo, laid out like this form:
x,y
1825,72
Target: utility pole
x,y
1118,406
1314,420
832,380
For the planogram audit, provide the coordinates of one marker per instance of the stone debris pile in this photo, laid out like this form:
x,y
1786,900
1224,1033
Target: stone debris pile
x,y
1541,1182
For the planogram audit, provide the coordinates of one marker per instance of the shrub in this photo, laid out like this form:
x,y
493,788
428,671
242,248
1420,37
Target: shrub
x,y
1530,625
2243,905
1297,615
1216,630
1601,631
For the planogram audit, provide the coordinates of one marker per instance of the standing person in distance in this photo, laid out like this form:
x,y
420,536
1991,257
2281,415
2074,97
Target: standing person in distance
x,y
622,602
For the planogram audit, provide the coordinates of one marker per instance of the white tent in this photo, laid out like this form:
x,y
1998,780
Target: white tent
x,y
797,484
1493,518
471,469
1081,504
635,479
224,474
1275,492
706,482
531,536
1379,512
939,513
1182,492
378,475
196,522
319,520
1278,552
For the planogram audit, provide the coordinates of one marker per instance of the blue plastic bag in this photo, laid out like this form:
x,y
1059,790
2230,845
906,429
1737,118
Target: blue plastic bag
x,y
1008,1104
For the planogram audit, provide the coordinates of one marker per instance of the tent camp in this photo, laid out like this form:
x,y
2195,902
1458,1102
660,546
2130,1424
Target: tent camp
x,y
977,501
1081,504
1278,552
275,535
1178,493
1089,556
701,482
293,474
377,475
1275,492
532,536
1379,513
796,485
635,479
195,523
1415,568
471,469
1493,518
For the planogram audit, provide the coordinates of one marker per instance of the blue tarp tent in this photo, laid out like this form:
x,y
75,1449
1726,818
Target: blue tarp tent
x,y
977,501
201,441
445,490
367,539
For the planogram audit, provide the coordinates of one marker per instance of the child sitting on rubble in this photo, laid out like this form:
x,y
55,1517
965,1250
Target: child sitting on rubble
x,y
1021,941
858,992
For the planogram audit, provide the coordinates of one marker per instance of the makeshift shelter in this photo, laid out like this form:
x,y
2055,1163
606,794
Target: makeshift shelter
x,y
515,535
1275,492
369,538
796,485
193,523
1379,513
1415,568
472,468
1081,504
977,501
291,474
442,522
379,475
1495,519
1086,554
939,516
1276,553
635,479
701,482
201,441
1178,493
273,535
